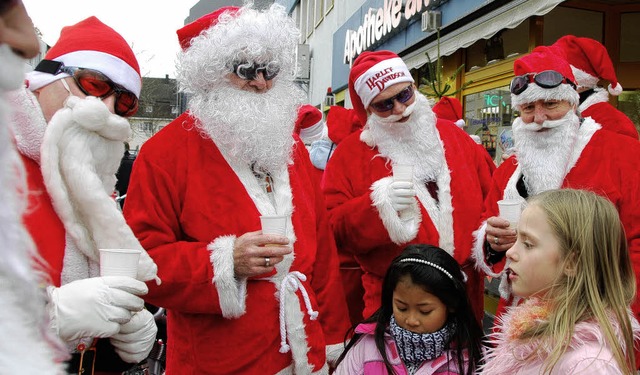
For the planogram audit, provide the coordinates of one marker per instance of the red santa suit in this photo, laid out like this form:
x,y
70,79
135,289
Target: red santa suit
x,y
602,162
374,232
597,107
187,202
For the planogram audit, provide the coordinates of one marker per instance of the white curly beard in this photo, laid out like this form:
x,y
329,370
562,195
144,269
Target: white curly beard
x,y
414,142
545,155
250,127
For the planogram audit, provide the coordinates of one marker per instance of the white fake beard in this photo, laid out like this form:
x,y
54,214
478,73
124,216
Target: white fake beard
x,y
415,141
544,155
251,127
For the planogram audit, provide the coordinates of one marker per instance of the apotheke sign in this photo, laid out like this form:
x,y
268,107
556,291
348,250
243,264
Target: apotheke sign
x,y
378,23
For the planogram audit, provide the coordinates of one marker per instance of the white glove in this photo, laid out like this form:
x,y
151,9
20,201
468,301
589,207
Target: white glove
x,y
136,338
94,307
401,194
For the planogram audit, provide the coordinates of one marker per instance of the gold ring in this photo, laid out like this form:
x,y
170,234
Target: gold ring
x,y
267,262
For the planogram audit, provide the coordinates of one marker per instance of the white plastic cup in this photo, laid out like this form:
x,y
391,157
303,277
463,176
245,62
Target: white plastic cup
x,y
510,210
402,172
119,262
274,224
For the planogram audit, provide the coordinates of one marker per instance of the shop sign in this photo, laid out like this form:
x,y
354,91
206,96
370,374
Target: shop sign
x,y
382,22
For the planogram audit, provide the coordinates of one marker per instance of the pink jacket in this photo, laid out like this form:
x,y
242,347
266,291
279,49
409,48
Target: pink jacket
x,y
586,354
364,358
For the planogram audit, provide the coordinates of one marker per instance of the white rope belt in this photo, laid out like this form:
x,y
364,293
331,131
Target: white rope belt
x,y
293,281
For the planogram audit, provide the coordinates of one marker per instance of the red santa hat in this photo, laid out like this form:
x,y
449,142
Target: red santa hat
x,y
341,122
309,123
91,44
195,28
370,74
589,60
449,108
540,59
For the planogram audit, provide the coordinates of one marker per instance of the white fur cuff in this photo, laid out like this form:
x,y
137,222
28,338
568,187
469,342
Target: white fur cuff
x,y
478,251
333,352
402,227
231,291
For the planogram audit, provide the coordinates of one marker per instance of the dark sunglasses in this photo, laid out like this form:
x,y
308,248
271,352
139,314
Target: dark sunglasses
x,y
250,70
387,104
547,79
94,83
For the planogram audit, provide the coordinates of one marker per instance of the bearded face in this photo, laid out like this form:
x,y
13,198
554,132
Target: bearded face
x,y
544,150
415,141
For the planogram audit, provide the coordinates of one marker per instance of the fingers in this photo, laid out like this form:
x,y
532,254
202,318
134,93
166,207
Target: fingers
x,y
125,300
127,284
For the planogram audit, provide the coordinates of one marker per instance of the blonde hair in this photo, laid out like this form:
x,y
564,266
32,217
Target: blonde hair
x,y
598,282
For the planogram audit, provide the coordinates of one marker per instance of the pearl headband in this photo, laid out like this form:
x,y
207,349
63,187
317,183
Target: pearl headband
x,y
415,260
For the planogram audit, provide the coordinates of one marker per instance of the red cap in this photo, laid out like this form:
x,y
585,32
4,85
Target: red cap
x,y
192,30
308,116
341,122
449,108
589,60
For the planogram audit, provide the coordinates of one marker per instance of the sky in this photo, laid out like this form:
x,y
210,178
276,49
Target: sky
x,y
149,26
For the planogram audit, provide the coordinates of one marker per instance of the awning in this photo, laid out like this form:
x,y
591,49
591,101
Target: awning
x,y
506,17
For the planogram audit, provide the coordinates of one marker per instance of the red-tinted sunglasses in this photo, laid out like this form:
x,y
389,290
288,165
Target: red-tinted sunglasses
x,y
547,79
94,83
387,104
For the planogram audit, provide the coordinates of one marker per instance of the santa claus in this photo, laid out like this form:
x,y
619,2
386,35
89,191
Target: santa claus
x,y
590,63
554,149
374,216
29,346
199,188
71,142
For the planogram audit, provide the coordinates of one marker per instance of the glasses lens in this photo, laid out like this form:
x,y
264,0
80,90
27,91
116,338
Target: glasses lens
x,y
519,84
548,79
245,70
405,95
126,104
93,82
383,106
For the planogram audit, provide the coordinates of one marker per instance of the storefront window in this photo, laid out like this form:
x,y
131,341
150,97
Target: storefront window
x,y
629,103
564,21
630,37
489,115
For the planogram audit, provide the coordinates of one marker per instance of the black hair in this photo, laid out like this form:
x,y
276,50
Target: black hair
x,y
452,293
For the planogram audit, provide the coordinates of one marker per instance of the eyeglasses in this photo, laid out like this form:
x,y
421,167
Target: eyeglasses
x,y
547,79
249,70
387,104
94,83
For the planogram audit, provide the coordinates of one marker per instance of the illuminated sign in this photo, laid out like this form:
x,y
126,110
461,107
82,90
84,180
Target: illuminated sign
x,y
378,23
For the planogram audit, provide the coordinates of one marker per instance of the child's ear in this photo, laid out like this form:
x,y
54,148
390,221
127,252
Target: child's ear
x,y
570,266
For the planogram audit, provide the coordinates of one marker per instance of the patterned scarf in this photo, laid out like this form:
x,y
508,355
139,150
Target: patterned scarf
x,y
415,348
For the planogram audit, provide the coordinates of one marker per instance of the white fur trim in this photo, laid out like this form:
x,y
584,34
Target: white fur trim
x,y
333,352
402,227
460,123
365,137
615,90
289,371
477,251
534,93
313,132
231,290
599,96
380,76
584,79
113,67
28,123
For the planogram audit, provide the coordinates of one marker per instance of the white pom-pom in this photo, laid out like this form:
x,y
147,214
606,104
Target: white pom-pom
x,y
460,123
284,348
616,90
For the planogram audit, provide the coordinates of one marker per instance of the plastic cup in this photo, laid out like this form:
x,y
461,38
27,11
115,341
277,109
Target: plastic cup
x,y
119,262
510,210
402,172
274,224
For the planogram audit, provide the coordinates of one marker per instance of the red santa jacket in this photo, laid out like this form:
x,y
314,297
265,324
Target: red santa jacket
x,y
375,234
187,204
597,107
605,163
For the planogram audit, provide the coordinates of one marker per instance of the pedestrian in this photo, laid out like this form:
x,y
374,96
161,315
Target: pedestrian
x,y
571,265
374,216
199,188
69,132
425,323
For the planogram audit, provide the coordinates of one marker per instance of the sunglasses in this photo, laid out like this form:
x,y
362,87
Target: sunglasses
x,y
387,104
250,70
94,83
548,79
